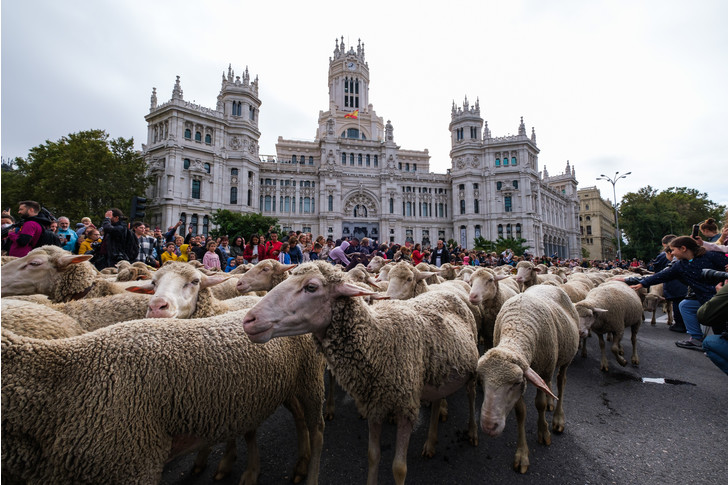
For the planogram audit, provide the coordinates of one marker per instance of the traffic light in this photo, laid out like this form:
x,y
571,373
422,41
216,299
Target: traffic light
x,y
138,204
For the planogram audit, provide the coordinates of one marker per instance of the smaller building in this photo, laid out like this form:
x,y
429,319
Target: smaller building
x,y
597,224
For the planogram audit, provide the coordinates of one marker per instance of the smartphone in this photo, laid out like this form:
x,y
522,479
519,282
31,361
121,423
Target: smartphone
x,y
696,230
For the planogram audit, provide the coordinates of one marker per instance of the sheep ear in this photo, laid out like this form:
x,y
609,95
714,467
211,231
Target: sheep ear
x,y
536,380
213,280
501,277
379,296
146,289
372,283
599,310
289,267
69,259
423,275
347,289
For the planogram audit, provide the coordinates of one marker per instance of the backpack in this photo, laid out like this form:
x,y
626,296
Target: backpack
x,y
48,238
131,245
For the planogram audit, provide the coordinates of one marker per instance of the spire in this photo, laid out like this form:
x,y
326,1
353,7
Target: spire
x,y
486,132
533,135
477,105
358,48
336,50
522,128
342,49
153,103
230,72
454,108
246,77
545,173
177,91
465,103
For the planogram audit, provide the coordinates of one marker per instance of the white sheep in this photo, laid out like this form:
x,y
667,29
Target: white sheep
x,y
536,332
487,292
655,296
376,264
263,276
37,321
387,356
527,275
610,308
112,406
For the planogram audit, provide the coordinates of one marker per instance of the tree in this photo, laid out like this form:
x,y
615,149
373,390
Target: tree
x,y
501,244
83,174
648,215
235,224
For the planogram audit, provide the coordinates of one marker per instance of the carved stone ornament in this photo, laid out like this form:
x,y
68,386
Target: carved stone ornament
x,y
475,163
460,163
360,200
235,143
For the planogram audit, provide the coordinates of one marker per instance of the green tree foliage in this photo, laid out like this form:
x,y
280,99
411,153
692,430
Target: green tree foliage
x,y
233,224
501,244
648,215
82,174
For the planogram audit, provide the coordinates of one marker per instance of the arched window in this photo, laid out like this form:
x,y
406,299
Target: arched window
x,y
497,162
310,160
193,223
198,136
359,160
188,134
352,133
351,159
208,139
207,167
368,160
195,189
331,202
186,163
391,206
500,230
376,160
505,161
183,220
518,231
233,195
233,172
294,159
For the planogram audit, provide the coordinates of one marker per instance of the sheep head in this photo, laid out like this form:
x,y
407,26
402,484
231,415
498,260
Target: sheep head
x,y
404,279
588,314
264,276
37,272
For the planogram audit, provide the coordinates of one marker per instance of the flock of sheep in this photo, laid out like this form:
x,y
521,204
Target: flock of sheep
x,y
108,376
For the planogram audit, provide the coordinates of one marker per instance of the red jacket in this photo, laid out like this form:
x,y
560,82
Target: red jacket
x,y
248,252
270,247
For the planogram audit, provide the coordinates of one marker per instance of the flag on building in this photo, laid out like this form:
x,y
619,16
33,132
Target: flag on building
x,y
353,114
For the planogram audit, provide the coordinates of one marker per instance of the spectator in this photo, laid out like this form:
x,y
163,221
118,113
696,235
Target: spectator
x,y
146,245
283,256
353,246
254,250
224,246
237,248
272,247
91,242
326,249
338,254
211,259
294,251
674,291
119,243
710,230
67,235
315,251
82,226
714,313
417,255
440,255
27,233
170,253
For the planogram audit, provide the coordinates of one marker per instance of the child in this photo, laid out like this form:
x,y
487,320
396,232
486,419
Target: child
x,y
170,253
283,255
314,255
211,259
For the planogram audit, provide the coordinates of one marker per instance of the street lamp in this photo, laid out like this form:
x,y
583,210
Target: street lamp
x,y
616,214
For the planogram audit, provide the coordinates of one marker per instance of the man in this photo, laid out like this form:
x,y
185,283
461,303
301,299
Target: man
x,y
67,235
119,242
272,246
353,246
440,255
27,233
146,244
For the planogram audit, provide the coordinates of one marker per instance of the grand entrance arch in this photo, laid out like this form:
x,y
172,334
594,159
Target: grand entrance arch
x,y
361,216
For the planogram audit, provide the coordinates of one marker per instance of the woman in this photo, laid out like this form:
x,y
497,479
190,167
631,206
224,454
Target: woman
x,y
254,250
294,251
710,230
417,255
238,247
691,260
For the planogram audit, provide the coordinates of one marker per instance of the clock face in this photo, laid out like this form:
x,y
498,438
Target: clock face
x,y
350,66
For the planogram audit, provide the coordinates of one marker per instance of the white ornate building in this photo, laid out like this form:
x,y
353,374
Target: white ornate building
x,y
353,179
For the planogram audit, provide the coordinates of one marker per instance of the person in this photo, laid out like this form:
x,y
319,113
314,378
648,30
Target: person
x,y
91,242
440,255
710,230
417,255
714,313
224,246
692,259
338,254
315,251
211,259
82,226
326,249
234,262
170,253
27,233
283,256
237,247
353,246
674,291
254,250
146,244
119,242
67,235
272,247
294,250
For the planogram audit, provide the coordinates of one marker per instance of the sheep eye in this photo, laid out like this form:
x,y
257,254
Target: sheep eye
x,y
35,263
409,279
310,288
195,282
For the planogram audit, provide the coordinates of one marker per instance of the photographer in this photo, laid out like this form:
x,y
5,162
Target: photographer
x,y
714,314
23,236
67,235
119,242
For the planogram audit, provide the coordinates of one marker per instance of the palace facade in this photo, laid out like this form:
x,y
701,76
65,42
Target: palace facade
x,y
353,179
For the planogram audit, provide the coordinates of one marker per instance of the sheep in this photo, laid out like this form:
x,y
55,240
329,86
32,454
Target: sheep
x,y
263,276
487,292
6,259
466,273
576,289
61,275
112,406
653,297
431,268
536,332
528,275
94,313
376,264
134,272
37,321
610,308
35,298
387,356
359,274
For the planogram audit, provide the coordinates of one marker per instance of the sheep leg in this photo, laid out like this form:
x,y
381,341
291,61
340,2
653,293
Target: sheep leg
x,y
653,321
201,460
375,451
617,349
582,344
443,410
520,462
304,447
428,450
228,460
252,471
635,357
330,404
315,426
559,420
404,431
604,364
544,436
472,425
670,321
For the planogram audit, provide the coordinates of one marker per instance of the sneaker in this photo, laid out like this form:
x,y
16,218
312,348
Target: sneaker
x,y
693,344
678,328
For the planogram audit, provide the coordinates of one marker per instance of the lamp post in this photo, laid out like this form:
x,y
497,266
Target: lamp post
x,y
614,181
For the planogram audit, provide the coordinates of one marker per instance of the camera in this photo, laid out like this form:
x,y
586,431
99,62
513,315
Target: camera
x,y
713,276
696,231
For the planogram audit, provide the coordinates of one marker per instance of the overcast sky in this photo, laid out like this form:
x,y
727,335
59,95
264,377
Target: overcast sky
x,y
610,86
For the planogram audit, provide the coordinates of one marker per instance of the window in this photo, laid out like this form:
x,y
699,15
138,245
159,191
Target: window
x,y
518,231
233,195
441,209
207,167
588,230
376,160
500,230
331,203
368,160
476,206
205,225
250,197
188,134
515,184
359,160
461,186
351,159
513,161
498,185
208,139
310,160
251,113
198,136
343,158
462,206
509,231
459,133
475,186
186,163
294,159
400,165
409,209
414,167
195,189
473,132
183,220
233,172
509,207
391,206
497,162
505,161
352,133
268,203
477,231
193,223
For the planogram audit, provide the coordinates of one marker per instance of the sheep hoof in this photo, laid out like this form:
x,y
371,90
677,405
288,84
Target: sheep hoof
x,y
428,451
520,463
196,470
248,478
329,416
220,475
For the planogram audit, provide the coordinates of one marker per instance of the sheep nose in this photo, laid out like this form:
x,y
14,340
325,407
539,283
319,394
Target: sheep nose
x,y
157,306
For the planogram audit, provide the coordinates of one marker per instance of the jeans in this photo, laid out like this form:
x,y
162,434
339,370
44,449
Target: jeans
x,y
716,348
689,312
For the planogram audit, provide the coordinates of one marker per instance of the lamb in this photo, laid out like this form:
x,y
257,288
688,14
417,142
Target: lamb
x,y
263,276
489,295
387,356
535,333
61,275
112,406
528,275
610,308
37,321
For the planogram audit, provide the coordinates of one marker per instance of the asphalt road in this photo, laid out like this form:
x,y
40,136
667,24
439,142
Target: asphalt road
x,y
619,430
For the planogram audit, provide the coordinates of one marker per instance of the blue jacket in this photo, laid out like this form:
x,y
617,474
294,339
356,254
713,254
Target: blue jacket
x,y
672,290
